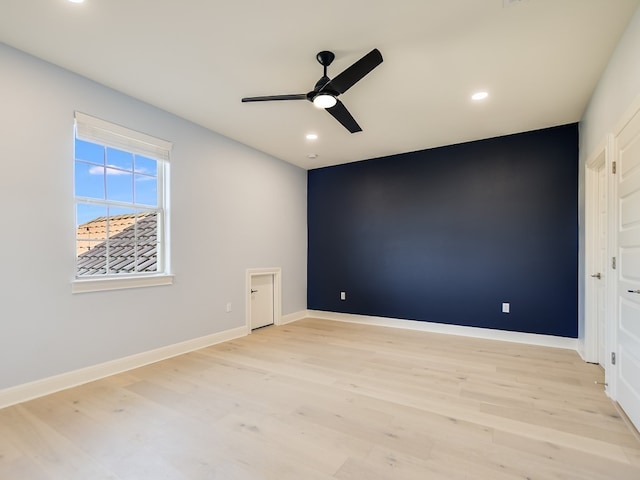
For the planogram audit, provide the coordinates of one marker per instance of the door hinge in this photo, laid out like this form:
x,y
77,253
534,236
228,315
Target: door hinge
x,y
613,358
613,167
613,263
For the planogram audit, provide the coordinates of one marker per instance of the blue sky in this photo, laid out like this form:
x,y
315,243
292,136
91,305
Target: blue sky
x,y
111,174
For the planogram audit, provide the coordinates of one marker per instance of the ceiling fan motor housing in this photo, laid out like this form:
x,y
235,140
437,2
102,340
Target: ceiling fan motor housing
x,y
325,58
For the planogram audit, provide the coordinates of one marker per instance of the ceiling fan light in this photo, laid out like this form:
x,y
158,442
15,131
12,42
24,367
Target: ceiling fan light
x,y
324,100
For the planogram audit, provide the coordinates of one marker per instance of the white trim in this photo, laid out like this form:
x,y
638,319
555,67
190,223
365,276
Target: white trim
x,y
277,294
589,347
102,284
107,134
46,386
474,332
294,317
96,130
627,116
610,371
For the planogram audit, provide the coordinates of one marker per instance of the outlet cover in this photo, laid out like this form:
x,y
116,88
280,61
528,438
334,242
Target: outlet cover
x,y
506,307
343,295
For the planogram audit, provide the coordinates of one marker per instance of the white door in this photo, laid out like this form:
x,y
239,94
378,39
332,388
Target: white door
x,y
628,270
261,301
597,286
600,265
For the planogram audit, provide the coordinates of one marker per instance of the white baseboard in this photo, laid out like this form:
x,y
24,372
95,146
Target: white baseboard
x,y
38,388
293,317
487,333
580,348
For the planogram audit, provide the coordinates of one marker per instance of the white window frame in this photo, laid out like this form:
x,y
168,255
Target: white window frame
x,y
105,133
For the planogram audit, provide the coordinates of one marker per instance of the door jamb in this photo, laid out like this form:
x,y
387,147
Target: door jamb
x,y
591,334
277,294
611,321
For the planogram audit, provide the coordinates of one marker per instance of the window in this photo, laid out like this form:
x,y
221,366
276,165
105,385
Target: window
x,y
120,202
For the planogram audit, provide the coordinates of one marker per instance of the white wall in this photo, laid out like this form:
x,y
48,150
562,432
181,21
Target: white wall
x,y
617,90
232,208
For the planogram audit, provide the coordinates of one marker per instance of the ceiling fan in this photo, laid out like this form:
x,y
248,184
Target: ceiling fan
x,y
325,93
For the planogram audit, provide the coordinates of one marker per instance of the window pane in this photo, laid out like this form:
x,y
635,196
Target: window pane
x,y
120,219
90,239
122,240
147,237
90,152
86,214
89,180
147,257
119,211
84,246
146,165
120,159
147,228
119,185
122,258
146,190
93,260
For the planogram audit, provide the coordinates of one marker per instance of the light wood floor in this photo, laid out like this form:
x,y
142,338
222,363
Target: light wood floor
x,y
326,400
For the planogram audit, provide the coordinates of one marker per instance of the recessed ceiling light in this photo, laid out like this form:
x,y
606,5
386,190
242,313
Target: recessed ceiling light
x,y
76,1
312,156
479,95
312,136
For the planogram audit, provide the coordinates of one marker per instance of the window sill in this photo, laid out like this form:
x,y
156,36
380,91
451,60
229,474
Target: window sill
x,y
85,285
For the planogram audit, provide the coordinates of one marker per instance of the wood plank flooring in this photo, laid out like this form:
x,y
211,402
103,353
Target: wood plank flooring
x,y
318,400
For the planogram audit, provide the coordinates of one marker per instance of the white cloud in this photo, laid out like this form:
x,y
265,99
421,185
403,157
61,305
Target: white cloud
x,y
111,170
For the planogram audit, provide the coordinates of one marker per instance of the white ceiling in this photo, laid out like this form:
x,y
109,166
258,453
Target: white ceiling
x,y
538,59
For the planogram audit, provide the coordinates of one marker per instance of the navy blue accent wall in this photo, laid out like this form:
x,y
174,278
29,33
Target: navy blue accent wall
x,y
448,234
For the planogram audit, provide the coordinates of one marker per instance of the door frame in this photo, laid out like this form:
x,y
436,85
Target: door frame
x,y
602,159
613,371
607,152
277,294
610,147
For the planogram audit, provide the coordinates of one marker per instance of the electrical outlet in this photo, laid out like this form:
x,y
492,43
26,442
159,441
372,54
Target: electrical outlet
x,y
228,307
343,295
506,307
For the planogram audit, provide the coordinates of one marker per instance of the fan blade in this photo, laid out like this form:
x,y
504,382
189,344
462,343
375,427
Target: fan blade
x,y
355,72
294,96
340,113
